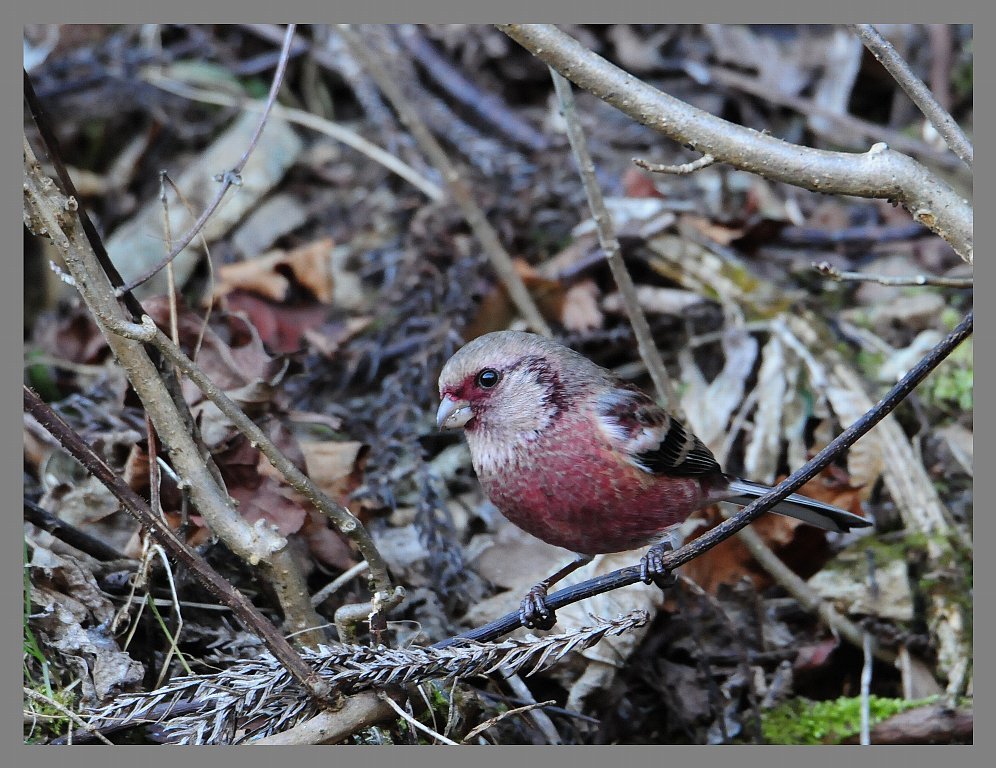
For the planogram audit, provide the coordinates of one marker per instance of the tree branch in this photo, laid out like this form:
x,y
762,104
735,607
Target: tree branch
x,y
919,93
879,173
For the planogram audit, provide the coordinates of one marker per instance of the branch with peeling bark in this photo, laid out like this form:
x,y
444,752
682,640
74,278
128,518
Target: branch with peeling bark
x,y
879,173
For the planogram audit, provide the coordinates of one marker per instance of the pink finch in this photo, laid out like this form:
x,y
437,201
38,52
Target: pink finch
x,y
582,460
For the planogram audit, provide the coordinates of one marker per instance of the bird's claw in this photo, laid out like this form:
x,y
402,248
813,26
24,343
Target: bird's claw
x,y
652,566
534,612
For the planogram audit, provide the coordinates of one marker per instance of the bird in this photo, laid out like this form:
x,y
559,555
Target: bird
x,y
577,457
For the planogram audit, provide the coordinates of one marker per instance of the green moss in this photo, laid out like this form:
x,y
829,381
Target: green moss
x,y
952,384
801,721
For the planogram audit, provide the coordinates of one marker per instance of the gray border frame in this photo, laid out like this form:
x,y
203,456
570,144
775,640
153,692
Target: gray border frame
x,y
478,12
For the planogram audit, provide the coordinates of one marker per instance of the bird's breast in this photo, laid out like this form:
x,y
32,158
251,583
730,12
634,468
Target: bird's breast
x,y
572,490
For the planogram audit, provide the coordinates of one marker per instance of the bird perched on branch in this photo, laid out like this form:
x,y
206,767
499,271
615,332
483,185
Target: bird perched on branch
x,y
582,460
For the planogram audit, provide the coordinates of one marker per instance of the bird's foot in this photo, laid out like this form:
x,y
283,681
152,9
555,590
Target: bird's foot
x,y
534,613
652,566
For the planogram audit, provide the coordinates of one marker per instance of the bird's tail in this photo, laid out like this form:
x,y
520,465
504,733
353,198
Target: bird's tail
x,y
795,505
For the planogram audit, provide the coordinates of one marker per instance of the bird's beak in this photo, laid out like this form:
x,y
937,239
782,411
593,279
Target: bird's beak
x,y
453,414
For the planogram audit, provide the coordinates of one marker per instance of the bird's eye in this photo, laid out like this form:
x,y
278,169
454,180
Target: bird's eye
x,y
488,378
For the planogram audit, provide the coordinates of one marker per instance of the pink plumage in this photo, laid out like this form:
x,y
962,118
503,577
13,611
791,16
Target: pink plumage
x,y
580,459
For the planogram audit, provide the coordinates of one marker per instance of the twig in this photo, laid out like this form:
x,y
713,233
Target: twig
x,y
610,246
357,712
74,537
231,177
413,722
542,720
920,94
866,679
337,583
681,170
879,173
135,505
458,188
66,712
826,269
626,576
48,211
491,722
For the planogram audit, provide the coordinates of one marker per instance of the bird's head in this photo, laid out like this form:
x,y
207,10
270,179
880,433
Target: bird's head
x,y
508,385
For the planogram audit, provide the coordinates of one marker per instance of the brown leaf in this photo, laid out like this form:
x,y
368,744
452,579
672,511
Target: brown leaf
x,y
280,326
326,543
272,275
335,466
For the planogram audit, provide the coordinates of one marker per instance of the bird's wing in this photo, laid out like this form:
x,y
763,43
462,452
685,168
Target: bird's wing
x,y
649,437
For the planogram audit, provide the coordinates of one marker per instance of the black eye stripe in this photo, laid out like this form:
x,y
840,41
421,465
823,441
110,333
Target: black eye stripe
x,y
488,378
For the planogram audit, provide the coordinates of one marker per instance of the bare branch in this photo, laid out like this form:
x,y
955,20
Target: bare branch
x,y
920,94
344,520
610,245
878,173
826,269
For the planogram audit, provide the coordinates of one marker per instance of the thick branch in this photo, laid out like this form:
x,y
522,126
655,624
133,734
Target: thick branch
x,y
878,173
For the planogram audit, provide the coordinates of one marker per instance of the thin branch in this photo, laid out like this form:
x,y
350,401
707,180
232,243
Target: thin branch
x,y
878,173
338,583
919,93
413,722
458,188
626,576
679,170
230,177
47,211
542,720
74,537
610,246
491,722
826,269
135,505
